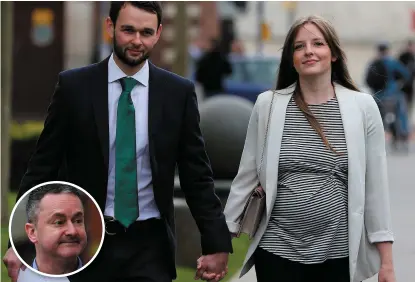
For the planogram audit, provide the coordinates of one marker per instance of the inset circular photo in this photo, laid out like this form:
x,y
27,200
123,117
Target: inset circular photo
x,y
56,229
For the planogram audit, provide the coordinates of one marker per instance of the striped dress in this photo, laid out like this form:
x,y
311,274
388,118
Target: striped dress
x,y
308,222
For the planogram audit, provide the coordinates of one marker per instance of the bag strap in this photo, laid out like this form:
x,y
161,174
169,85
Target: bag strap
x,y
266,134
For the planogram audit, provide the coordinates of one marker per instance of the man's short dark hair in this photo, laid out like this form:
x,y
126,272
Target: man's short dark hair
x,y
149,6
383,47
32,205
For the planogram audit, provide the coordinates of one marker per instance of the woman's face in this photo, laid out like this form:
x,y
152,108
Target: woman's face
x,y
312,55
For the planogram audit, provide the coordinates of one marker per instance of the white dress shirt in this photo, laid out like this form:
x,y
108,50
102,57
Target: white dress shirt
x,y
28,275
80,264
139,95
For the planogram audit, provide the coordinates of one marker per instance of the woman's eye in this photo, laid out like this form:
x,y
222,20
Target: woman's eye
x,y
297,47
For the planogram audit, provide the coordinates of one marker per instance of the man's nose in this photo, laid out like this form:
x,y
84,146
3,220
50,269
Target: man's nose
x,y
71,229
137,39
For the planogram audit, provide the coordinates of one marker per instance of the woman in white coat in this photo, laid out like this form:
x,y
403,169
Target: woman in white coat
x,y
327,215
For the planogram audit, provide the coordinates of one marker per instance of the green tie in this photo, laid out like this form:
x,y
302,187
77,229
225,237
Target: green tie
x,y
126,198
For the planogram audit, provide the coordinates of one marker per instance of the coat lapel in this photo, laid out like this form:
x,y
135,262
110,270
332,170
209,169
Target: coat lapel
x,y
271,160
99,93
275,131
353,125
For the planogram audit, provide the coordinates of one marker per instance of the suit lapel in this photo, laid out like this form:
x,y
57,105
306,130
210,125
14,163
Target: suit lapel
x,y
155,100
155,110
99,93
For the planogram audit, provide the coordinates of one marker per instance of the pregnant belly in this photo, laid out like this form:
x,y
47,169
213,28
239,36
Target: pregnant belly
x,y
309,211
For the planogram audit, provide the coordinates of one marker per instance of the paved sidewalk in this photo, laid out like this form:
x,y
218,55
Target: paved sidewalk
x,y
402,193
250,277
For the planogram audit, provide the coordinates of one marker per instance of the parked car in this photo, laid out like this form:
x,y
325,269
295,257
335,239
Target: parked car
x,y
251,75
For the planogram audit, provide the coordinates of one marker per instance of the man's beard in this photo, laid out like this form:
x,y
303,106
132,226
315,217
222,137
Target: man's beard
x,y
121,53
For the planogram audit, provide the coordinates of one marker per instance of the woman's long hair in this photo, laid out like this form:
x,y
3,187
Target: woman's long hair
x,y
288,75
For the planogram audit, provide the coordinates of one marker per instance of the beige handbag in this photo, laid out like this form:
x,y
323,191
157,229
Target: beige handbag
x,y
255,206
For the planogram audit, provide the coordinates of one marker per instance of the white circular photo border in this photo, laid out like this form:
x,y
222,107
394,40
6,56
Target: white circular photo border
x,y
83,266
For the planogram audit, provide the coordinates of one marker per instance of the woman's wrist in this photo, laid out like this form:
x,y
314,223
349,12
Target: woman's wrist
x,y
385,251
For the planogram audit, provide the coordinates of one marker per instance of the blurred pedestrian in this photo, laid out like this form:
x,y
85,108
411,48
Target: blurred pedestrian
x,y
407,58
324,173
212,69
386,76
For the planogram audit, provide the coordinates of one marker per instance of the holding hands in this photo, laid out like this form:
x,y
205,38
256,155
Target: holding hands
x,y
212,267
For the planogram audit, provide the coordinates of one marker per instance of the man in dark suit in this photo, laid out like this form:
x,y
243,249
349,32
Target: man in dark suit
x,y
120,127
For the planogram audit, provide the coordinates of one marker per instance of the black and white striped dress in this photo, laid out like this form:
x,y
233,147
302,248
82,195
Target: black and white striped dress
x,y
308,222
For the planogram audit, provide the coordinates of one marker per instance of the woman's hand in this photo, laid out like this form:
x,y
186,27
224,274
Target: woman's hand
x,y
386,273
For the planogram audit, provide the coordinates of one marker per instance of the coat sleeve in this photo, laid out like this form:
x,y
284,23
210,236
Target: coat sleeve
x,y
196,180
247,177
377,205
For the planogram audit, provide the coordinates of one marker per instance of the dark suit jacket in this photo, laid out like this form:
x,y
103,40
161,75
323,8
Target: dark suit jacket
x,y
76,134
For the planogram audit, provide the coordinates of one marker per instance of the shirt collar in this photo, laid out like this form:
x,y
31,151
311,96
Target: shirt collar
x,y
115,73
34,264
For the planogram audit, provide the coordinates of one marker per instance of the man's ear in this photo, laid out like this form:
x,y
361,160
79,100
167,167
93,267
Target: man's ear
x,y
158,33
110,27
160,28
31,232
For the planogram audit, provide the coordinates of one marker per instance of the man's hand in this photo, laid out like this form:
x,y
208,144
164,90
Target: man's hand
x,y
13,264
212,267
386,273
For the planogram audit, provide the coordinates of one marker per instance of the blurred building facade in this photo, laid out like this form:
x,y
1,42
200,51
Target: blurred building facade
x,y
62,35
202,21
360,25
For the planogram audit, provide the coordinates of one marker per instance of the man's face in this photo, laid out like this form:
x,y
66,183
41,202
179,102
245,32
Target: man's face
x,y
60,229
134,35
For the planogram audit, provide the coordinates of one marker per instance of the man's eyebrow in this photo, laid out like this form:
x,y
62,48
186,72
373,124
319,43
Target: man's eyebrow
x,y
78,214
59,214
125,26
147,29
